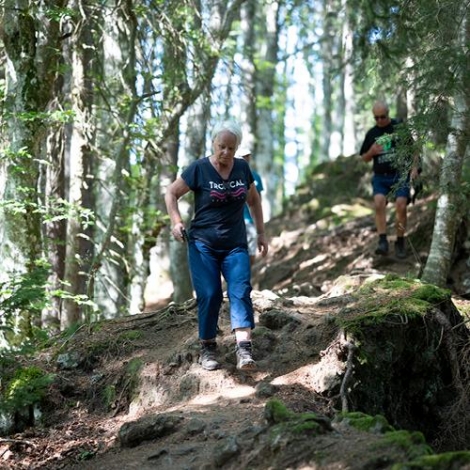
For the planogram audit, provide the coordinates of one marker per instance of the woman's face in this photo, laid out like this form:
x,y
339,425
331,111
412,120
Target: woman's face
x,y
225,146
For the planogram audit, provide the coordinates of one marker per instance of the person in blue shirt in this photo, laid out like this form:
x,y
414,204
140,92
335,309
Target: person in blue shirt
x,y
251,234
217,243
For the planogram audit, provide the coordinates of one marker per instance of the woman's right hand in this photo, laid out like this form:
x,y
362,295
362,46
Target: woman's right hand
x,y
178,231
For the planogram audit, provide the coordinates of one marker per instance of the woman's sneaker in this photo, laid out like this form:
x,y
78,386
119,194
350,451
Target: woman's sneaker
x,y
245,359
207,359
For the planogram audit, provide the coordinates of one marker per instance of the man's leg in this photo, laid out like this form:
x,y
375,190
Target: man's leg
x,y
380,202
401,216
400,225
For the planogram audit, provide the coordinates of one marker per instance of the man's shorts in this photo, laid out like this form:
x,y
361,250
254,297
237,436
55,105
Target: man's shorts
x,y
391,186
251,238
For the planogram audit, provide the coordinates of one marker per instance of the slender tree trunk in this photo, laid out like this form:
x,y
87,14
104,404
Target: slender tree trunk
x,y
79,139
55,230
195,144
248,118
110,272
448,216
327,86
450,204
349,144
179,271
267,41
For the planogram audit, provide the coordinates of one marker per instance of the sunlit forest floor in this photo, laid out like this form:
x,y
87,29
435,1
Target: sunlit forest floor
x,y
217,416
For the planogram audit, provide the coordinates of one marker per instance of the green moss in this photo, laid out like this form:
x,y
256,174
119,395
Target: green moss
x,y
276,412
436,462
99,348
365,422
133,366
109,395
305,424
405,438
407,287
395,282
133,374
131,335
431,294
395,311
412,442
126,386
285,422
27,387
392,299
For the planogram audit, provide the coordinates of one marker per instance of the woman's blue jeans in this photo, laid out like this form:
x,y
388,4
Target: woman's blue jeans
x,y
206,266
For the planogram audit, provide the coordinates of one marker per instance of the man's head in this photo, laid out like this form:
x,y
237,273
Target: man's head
x,y
381,114
245,153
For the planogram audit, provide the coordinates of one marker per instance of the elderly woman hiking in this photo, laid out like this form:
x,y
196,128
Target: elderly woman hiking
x,y
217,240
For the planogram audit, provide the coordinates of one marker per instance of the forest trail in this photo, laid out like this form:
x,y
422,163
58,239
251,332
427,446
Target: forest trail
x,y
144,369
180,416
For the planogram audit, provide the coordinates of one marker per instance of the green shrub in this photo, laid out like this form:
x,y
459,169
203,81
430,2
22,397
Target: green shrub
x,y
27,387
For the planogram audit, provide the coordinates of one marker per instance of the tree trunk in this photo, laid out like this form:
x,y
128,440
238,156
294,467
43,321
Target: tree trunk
x,y
265,80
32,42
23,98
222,16
328,66
450,204
55,230
198,116
349,144
79,141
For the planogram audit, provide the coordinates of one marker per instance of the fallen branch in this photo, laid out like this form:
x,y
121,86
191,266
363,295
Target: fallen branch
x,y
17,441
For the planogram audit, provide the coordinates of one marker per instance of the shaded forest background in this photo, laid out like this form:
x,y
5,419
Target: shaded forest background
x,y
103,102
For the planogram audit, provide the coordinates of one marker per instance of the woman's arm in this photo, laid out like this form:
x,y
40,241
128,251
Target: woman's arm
x,y
176,189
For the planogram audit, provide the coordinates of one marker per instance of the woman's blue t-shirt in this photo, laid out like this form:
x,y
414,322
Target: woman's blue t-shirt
x,y
218,206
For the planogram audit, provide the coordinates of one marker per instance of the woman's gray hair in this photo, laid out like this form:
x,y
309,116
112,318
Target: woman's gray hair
x,y
230,126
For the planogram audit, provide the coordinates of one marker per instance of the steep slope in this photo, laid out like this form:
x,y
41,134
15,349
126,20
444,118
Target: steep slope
x,y
129,393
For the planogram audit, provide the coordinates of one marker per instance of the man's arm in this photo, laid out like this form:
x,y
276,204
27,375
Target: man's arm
x,y
374,149
415,164
415,170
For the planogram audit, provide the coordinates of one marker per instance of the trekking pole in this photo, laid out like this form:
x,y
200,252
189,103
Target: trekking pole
x,y
416,257
185,235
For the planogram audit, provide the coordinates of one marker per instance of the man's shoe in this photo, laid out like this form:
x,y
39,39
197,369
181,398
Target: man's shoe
x,y
207,358
245,359
382,247
400,251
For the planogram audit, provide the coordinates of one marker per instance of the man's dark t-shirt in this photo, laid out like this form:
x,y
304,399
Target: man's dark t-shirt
x,y
218,217
387,162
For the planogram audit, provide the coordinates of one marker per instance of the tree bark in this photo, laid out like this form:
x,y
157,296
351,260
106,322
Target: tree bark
x,y
449,204
348,107
32,42
79,140
268,41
